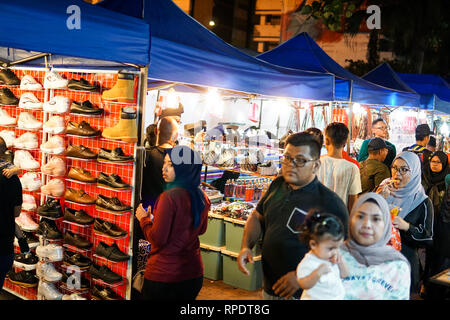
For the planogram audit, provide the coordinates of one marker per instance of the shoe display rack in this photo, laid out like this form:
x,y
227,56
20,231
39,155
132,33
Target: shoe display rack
x,y
104,217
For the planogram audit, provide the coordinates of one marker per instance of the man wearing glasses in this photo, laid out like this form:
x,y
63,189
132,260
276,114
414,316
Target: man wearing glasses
x,y
380,130
280,212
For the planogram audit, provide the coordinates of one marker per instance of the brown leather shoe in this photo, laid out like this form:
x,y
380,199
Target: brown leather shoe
x,y
83,129
80,152
78,196
81,174
111,204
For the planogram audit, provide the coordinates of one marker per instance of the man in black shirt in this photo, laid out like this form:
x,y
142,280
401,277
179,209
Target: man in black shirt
x,y
11,202
280,212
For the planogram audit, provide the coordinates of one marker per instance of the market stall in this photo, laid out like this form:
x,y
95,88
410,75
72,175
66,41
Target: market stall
x,y
65,104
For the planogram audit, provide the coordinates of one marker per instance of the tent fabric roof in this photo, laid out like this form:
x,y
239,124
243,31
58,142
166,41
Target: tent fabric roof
x,y
42,26
184,51
302,52
385,76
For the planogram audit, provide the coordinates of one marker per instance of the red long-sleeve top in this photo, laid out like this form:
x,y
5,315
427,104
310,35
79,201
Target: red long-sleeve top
x,y
175,247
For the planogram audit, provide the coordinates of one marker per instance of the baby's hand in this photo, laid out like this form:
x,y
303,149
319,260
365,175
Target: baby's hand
x,y
323,269
335,259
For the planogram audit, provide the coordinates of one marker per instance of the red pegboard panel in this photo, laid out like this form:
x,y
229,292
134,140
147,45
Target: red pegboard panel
x,y
109,118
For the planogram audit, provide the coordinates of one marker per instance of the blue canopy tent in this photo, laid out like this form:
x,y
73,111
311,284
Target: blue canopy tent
x,y
434,91
183,51
29,27
302,52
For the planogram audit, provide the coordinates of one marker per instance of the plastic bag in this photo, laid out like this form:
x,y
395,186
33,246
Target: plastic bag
x,y
396,241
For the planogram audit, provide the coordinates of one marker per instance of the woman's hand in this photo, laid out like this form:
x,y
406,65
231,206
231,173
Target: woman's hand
x,y
400,224
141,213
8,173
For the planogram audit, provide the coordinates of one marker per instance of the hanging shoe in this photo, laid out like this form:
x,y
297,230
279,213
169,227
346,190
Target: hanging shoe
x,y
122,91
8,77
125,129
53,80
30,83
29,101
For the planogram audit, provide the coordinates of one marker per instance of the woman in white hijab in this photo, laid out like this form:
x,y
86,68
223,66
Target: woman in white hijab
x,y
376,270
415,220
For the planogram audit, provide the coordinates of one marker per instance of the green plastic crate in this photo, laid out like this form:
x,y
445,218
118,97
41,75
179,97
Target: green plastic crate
x,y
234,231
234,277
212,261
215,232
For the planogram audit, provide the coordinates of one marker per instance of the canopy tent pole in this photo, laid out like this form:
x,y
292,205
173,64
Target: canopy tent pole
x,y
350,117
9,63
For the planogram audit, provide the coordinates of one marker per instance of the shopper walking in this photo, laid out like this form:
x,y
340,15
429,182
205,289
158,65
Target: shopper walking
x,y
174,268
281,211
379,130
415,219
11,201
420,147
373,170
336,173
376,271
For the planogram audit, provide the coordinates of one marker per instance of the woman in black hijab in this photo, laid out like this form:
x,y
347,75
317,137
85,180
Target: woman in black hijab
x,y
433,181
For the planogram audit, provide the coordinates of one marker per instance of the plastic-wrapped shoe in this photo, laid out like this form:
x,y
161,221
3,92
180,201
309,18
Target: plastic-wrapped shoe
x,y
73,296
30,181
55,167
30,83
29,101
47,271
54,187
53,80
28,140
58,104
28,121
53,252
48,291
24,160
9,137
55,125
25,222
54,145
6,119
28,202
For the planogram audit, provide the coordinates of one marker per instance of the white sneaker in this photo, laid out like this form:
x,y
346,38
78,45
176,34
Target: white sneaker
x,y
55,125
47,271
55,167
54,187
73,296
24,160
53,252
28,202
25,222
53,80
31,181
48,291
28,121
28,140
30,83
58,104
54,145
9,137
6,119
29,101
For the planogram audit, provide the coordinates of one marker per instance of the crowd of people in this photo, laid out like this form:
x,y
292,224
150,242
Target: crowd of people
x,y
325,221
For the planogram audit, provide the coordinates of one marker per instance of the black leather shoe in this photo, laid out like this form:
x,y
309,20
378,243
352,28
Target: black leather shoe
x,y
78,216
8,77
8,98
51,208
23,278
115,155
85,107
104,293
104,273
76,240
82,84
112,181
109,229
72,258
49,229
111,204
83,285
111,252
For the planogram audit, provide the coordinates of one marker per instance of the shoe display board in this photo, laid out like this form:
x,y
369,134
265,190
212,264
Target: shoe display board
x,y
73,135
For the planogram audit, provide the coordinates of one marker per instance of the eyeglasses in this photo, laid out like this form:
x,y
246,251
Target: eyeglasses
x,y
381,128
401,171
298,162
